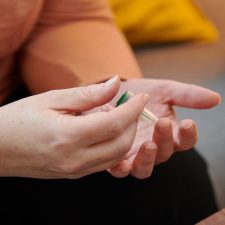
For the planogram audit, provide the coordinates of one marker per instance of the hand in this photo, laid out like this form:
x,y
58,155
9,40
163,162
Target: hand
x,y
156,144
44,136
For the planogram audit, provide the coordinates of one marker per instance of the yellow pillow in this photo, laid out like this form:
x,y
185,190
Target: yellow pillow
x,y
162,21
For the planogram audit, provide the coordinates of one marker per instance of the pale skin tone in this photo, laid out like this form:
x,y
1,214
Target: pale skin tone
x,y
44,136
82,44
156,144
52,139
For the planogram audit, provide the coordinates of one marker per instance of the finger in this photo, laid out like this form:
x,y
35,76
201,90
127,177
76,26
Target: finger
x,y
191,96
82,98
107,108
120,170
99,156
121,173
163,137
102,126
95,169
102,156
105,167
186,135
143,163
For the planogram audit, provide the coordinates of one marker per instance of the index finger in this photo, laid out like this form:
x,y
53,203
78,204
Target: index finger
x,y
101,126
191,96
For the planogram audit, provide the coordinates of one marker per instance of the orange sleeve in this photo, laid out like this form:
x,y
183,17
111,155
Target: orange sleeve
x,y
75,43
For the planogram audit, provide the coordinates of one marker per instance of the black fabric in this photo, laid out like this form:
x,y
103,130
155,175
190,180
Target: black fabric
x,y
179,192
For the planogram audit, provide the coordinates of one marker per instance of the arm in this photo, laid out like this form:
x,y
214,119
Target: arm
x,y
41,136
75,43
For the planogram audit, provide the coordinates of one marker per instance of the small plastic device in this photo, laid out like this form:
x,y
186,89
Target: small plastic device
x,y
146,114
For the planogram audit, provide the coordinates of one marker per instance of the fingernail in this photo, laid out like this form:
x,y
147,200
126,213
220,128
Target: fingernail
x,y
106,108
145,98
219,97
112,81
188,126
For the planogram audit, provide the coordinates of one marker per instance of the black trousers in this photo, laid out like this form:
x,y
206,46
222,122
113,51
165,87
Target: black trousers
x,y
179,192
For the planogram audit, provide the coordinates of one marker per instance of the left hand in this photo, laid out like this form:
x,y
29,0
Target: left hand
x,y
156,144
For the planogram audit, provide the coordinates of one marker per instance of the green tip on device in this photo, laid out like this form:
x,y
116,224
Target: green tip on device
x,y
146,114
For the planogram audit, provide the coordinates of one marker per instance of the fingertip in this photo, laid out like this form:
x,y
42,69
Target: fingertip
x,y
106,108
112,81
218,98
121,170
188,135
187,124
112,84
124,167
212,100
145,98
188,128
106,91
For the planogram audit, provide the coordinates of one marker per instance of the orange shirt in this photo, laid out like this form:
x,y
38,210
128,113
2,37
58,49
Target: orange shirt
x,y
17,19
61,44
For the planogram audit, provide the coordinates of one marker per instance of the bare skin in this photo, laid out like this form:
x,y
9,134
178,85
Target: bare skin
x,y
44,136
156,144
57,55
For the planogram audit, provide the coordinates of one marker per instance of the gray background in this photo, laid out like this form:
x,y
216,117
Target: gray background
x,y
211,143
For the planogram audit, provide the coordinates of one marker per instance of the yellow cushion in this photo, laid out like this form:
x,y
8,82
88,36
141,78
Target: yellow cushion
x,y
162,21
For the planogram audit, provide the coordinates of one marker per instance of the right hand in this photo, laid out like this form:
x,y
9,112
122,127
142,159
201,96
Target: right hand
x,y
43,136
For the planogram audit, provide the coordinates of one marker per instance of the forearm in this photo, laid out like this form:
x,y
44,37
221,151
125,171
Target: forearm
x,y
77,53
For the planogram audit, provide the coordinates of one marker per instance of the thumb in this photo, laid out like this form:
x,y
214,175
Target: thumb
x,y
82,98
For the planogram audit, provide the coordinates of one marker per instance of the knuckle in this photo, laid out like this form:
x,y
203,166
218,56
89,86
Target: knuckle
x,y
59,143
62,138
69,170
